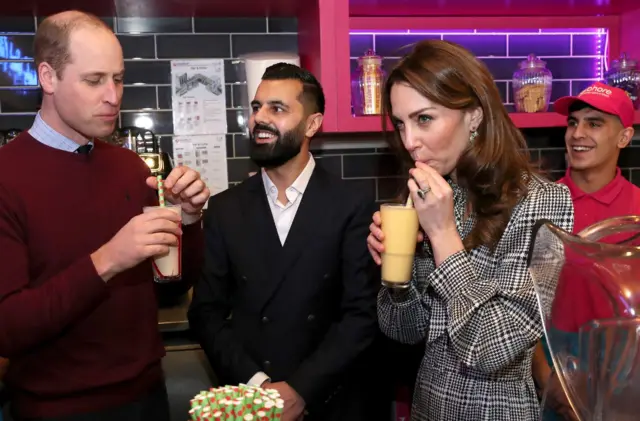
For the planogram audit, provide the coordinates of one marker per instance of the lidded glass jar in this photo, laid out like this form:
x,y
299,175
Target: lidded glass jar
x,y
532,86
367,81
624,74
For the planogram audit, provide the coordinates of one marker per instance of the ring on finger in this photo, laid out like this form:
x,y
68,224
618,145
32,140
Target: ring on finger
x,y
422,193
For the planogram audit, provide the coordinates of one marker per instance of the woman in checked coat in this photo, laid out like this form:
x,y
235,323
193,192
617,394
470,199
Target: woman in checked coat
x,y
471,300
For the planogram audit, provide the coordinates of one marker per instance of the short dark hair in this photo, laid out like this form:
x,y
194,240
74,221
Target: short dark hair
x,y
581,105
312,94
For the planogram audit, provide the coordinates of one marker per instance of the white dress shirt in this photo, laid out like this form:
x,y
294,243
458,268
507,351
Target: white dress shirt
x,y
283,215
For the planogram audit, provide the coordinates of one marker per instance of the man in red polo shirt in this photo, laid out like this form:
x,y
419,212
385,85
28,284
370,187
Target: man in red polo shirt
x,y
600,124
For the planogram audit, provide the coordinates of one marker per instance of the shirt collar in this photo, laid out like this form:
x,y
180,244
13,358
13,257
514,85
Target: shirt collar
x,y
605,195
46,135
299,185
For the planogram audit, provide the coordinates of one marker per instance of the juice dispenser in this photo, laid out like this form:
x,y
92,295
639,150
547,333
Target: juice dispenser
x,y
589,300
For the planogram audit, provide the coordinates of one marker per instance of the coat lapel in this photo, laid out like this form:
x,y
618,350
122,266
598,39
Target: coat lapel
x,y
307,219
260,230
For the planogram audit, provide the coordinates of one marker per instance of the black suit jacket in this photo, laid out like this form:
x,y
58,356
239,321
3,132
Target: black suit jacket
x,y
305,312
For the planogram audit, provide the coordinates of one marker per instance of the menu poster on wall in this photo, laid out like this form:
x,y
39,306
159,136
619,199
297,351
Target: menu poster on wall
x,y
206,154
198,98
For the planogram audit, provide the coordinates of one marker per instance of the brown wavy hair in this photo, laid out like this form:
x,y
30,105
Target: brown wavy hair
x,y
495,169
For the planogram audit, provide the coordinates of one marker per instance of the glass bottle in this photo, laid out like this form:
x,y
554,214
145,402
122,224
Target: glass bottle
x,y
532,86
366,85
624,74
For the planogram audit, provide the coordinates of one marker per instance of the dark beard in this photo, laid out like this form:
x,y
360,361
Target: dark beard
x,y
280,151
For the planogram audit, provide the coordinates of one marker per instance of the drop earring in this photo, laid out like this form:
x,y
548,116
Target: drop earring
x,y
474,134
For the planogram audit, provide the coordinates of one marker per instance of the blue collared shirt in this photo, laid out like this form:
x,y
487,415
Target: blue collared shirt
x,y
44,134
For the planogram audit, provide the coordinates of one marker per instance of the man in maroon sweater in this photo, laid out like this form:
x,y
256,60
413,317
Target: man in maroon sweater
x,y
78,312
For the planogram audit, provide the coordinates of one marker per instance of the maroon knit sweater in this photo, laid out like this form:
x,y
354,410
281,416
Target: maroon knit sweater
x,y
76,344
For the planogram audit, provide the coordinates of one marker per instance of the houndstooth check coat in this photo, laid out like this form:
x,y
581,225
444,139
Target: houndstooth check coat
x,y
478,317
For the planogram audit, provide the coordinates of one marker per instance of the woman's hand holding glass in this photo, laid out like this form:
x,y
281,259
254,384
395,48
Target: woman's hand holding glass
x,y
376,237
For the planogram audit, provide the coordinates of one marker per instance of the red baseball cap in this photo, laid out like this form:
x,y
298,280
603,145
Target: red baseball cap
x,y
602,97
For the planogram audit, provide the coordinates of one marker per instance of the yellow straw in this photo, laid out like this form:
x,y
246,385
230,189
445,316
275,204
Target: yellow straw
x,y
160,192
409,203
